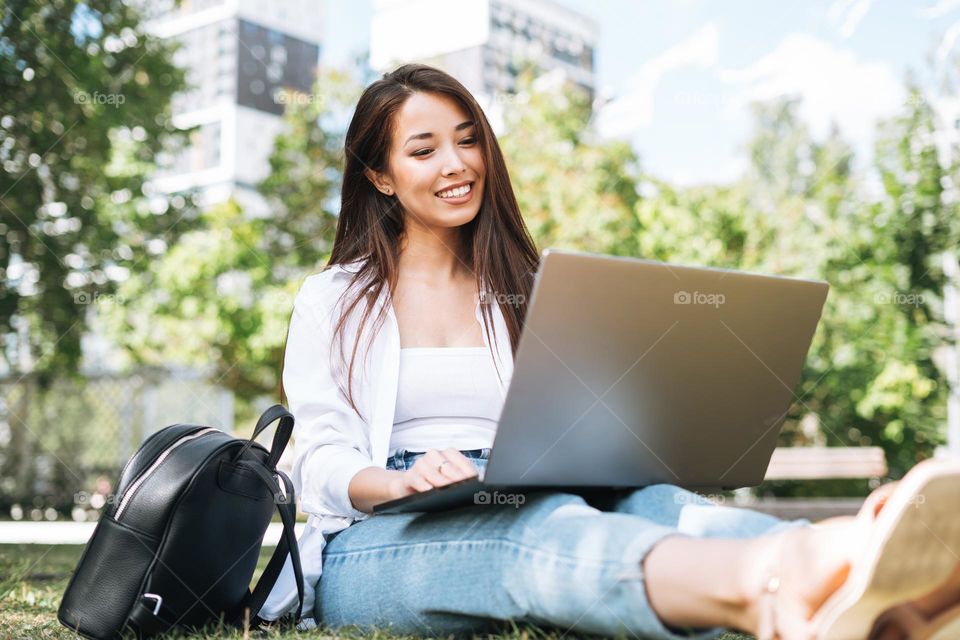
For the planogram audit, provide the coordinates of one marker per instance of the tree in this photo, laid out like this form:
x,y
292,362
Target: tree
x,y
920,223
86,109
214,302
803,211
574,190
221,298
303,186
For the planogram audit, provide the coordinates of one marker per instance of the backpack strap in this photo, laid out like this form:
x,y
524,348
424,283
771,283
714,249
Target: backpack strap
x,y
280,438
286,505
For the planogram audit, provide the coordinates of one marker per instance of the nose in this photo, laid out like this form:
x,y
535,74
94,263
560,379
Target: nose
x,y
452,162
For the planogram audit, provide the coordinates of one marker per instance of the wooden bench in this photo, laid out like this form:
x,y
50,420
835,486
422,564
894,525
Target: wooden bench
x,y
818,463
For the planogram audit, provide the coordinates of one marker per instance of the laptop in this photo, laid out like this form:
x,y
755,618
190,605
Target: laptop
x,y
631,372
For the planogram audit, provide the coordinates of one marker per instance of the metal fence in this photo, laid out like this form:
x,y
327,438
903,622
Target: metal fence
x,y
61,447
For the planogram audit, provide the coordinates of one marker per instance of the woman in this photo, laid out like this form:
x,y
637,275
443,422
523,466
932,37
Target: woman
x,y
396,365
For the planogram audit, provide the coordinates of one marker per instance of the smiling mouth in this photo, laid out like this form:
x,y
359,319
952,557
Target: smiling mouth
x,y
459,192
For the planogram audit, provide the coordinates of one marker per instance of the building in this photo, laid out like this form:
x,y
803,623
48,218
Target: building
x,y
484,43
239,56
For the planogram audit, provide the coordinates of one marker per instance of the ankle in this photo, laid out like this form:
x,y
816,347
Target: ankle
x,y
760,570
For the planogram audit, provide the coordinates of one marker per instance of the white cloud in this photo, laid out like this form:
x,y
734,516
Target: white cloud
x,y
950,36
948,41
833,85
846,15
634,108
941,8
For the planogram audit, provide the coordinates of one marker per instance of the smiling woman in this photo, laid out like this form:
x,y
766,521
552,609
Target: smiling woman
x,y
429,230
434,173
429,217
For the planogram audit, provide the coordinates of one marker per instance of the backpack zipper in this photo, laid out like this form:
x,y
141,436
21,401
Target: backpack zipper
x,y
129,461
128,495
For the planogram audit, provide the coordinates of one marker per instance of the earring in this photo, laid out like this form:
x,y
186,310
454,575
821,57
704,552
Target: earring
x,y
389,192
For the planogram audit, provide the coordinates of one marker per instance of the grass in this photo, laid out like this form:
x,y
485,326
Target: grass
x,y
33,578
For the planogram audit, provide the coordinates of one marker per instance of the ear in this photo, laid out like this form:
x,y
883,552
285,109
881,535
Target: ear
x,y
382,183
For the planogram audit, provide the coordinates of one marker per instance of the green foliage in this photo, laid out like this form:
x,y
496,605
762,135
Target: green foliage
x,y
85,101
802,210
213,302
303,186
221,298
772,222
573,190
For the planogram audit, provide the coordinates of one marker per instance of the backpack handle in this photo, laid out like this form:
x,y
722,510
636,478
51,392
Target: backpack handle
x,y
280,438
282,489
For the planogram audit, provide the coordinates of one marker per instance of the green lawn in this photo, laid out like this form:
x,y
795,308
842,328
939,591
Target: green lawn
x,y
33,577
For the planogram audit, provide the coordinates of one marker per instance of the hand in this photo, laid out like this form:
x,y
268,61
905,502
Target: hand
x,y
424,474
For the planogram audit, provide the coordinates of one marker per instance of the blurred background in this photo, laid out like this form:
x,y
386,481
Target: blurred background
x,y
170,174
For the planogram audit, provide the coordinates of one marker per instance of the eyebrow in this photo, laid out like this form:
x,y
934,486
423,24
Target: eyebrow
x,y
422,136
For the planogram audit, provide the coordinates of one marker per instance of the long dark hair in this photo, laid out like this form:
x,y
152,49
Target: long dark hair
x,y
498,246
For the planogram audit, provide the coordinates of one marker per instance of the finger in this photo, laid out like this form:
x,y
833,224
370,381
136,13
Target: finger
x,y
435,478
424,471
463,464
453,469
415,482
427,467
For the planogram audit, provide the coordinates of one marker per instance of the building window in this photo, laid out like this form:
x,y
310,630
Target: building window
x,y
271,61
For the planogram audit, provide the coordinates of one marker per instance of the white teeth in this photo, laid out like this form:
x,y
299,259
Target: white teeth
x,y
459,192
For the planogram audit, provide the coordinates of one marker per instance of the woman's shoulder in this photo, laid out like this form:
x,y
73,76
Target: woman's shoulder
x,y
326,286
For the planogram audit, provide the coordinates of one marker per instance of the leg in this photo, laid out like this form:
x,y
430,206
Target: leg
x,y
810,563
691,513
553,560
676,568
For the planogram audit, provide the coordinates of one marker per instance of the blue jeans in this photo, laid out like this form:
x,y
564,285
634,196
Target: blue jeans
x,y
559,559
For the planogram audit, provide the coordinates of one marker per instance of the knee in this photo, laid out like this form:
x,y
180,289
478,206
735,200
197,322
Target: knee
x,y
571,509
545,509
660,503
542,505
672,494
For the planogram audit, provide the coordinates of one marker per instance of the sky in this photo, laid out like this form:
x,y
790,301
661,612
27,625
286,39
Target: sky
x,y
679,74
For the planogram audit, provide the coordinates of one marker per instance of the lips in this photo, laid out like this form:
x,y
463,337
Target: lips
x,y
452,187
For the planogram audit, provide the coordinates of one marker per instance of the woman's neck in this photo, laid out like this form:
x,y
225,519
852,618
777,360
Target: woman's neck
x,y
437,258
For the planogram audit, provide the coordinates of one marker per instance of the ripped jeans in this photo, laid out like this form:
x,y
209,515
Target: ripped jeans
x,y
550,558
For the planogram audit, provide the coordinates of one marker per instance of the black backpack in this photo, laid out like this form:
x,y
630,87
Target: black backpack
x,y
177,547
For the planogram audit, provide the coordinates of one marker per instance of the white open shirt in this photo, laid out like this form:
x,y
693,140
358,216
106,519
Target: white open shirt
x,y
332,443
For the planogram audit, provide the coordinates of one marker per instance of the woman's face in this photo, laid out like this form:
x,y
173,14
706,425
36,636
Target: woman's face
x,y
435,165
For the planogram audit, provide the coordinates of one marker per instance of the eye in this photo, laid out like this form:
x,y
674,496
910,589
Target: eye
x,y
423,152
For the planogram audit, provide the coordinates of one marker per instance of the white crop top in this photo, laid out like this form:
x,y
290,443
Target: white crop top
x,y
446,397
